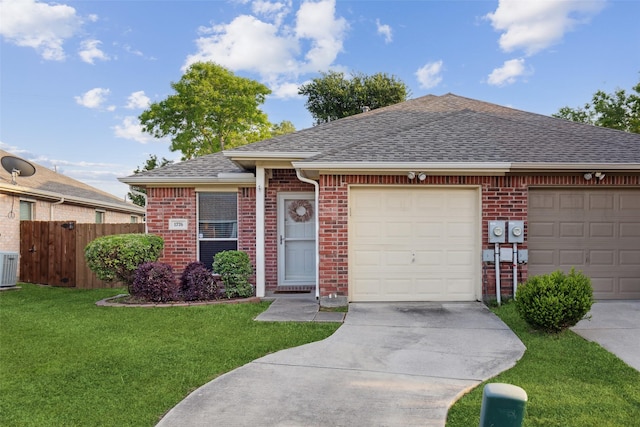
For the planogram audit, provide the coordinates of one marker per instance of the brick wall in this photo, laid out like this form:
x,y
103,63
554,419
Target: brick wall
x,y
503,198
180,246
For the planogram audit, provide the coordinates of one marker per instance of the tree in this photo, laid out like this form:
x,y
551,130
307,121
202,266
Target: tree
x,y
616,111
152,163
282,128
333,96
212,109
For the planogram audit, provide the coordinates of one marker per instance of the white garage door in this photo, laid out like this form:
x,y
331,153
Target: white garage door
x,y
414,244
594,230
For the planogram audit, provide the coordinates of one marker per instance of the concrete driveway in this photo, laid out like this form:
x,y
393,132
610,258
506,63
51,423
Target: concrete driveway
x,y
389,364
615,325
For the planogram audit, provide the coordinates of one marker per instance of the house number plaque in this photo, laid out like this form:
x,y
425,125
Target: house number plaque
x,y
178,224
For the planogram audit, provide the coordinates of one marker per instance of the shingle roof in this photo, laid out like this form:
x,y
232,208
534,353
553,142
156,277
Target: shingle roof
x,y
447,128
47,181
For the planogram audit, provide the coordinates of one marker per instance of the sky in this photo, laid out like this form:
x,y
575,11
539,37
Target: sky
x,y
75,75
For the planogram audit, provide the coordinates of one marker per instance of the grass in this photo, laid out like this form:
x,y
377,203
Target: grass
x,y
66,362
569,382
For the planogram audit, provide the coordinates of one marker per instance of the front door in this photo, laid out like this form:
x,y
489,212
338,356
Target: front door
x,y
296,239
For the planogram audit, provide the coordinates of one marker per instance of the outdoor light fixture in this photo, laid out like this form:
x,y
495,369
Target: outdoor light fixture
x,y
589,175
422,176
411,175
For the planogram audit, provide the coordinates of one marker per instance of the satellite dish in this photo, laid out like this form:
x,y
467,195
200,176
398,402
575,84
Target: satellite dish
x,y
17,166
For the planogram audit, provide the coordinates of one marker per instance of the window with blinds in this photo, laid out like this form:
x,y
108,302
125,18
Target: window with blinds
x,y
217,224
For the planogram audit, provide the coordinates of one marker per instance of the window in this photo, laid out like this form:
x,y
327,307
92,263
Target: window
x,y
134,219
99,217
26,210
217,224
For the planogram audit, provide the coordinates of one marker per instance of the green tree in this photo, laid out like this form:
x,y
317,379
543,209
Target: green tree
x,y
618,110
282,128
334,96
152,163
212,110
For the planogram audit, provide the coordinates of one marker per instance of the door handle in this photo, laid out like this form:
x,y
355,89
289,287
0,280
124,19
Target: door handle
x,y
281,239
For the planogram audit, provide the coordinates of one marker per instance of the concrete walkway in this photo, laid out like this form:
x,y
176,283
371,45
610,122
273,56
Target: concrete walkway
x,y
389,364
615,325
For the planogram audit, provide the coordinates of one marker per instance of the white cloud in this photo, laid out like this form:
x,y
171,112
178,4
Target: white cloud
x,y
508,73
316,21
430,74
41,26
276,11
385,30
273,49
138,100
285,90
535,25
94,98
132,129
90,51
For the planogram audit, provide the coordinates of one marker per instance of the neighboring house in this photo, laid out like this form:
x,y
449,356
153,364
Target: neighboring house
x,y
404,199
50,196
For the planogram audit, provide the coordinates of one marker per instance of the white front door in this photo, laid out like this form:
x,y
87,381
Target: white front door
x,y
296,239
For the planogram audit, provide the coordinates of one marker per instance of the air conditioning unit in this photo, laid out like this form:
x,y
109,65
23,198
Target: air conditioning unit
x,y
8,268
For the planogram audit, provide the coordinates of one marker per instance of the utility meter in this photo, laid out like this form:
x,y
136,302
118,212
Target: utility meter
x,y
516,231
496,231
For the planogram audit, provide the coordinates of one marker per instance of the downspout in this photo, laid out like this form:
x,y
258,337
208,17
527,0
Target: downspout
x,y
59,202
144,196
316,187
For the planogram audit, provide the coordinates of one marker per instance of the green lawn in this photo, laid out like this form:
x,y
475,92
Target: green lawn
x,y
569,382
66,362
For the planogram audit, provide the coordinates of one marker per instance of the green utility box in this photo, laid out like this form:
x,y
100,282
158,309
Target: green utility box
x,y
502,405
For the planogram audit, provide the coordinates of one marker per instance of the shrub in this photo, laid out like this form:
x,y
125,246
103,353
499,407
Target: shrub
x,y
155,282
115,258
235,269
555,301
198,283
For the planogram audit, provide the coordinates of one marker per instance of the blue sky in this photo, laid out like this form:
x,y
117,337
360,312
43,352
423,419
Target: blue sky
x,y
74,75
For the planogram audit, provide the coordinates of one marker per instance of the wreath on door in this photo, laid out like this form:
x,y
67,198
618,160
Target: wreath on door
x,y
300,210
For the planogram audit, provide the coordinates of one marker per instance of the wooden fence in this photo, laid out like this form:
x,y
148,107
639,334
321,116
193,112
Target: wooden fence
x,y
52,252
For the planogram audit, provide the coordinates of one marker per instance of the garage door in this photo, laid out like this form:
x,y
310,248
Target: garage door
x,y
596,231
408,244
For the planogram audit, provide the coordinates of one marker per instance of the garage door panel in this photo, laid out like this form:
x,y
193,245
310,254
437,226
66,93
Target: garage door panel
x,y
629,229
426,229
602,229
630,257
542,229
571,257
430,251
363,258
542,257
460,229
629,204
602,238
601,201
429,257
603,258
572,229
571,202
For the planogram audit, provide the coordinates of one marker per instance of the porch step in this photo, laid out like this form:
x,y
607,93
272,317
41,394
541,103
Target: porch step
x,y
302,289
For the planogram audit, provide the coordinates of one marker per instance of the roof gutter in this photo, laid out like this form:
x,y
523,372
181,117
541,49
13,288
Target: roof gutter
x,y
228,178
59,202
316,187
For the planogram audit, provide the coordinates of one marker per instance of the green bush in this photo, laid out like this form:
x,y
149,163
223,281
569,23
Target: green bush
x,y
555,301
115,258
234,267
